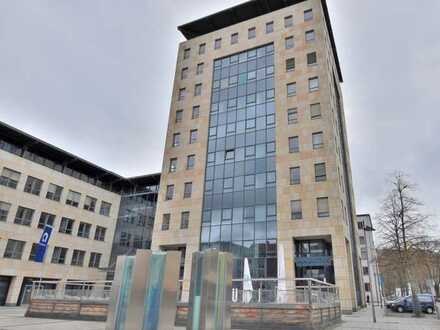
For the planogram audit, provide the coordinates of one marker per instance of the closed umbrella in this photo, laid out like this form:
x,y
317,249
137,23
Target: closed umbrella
x,y
247,283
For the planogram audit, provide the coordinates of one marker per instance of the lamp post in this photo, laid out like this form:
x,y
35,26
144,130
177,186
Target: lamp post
x,y
369,228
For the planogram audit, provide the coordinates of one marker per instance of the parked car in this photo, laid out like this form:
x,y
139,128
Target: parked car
x,y
406,304
390,300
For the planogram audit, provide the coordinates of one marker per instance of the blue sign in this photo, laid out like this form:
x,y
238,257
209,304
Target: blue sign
x,y
42,245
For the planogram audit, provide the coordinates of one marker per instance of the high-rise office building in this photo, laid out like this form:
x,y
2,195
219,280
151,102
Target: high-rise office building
x,y
256,152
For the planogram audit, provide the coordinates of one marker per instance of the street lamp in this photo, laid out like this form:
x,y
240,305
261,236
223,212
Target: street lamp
x,y
369,228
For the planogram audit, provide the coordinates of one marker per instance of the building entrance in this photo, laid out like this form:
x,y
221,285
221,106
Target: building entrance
x,y
5,281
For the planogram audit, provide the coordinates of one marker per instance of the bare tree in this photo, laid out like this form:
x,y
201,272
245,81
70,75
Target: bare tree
x,y
402,227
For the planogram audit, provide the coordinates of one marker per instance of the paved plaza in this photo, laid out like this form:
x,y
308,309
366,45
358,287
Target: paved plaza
x,y
12,318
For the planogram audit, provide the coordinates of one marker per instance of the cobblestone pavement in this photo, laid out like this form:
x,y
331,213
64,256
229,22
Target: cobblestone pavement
x,y
363,321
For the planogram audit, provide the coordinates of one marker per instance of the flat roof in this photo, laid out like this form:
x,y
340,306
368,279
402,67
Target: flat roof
x,y
247,11
46,150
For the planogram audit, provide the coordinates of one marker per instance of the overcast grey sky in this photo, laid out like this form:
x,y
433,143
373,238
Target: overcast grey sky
x,y
94,77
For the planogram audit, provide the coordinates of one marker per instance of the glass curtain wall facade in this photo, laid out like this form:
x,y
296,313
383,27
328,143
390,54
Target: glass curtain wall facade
x,y
239,208
135,223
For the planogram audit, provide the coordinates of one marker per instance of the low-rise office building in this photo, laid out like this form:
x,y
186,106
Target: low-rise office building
x,y
368,258
40,185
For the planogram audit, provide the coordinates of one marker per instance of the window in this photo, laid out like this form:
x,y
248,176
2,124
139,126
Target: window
x,y
90,204
218,43
4,210
166,221
9,178
269,27
290,64
66,226
195,112
313,84
95,260
73,198
315,111
317,140
182,94
14,249
323,207
176,139
289,43
230,154
296,209
288,21
320,172
138,242
78,258
169,193
54,192
365,269
46,219
184,220
312,59
186,53
200,68
24,216
252,33
59,255
292,116
33,253
187,191
105,208
100,233
364,253
33,185
84,230
124,239
179,116
308,15
184,73
291,89
234,38
293,144
295,175
310,35
173,165
202,49
190,162
198,90
193,136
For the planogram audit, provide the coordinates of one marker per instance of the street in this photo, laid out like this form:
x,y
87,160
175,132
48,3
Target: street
x,y
394,321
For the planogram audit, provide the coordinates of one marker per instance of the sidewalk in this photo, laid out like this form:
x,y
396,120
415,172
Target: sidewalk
x,y
11,318
363,320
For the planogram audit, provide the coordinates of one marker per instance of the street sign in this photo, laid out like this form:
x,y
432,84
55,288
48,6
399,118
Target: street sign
x,y
42,245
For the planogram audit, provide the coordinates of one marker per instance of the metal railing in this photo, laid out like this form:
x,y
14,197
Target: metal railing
x,y
265,291
278,291
72,290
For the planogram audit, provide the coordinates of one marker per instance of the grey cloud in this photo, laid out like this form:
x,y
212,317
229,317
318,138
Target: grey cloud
x,y
95,78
